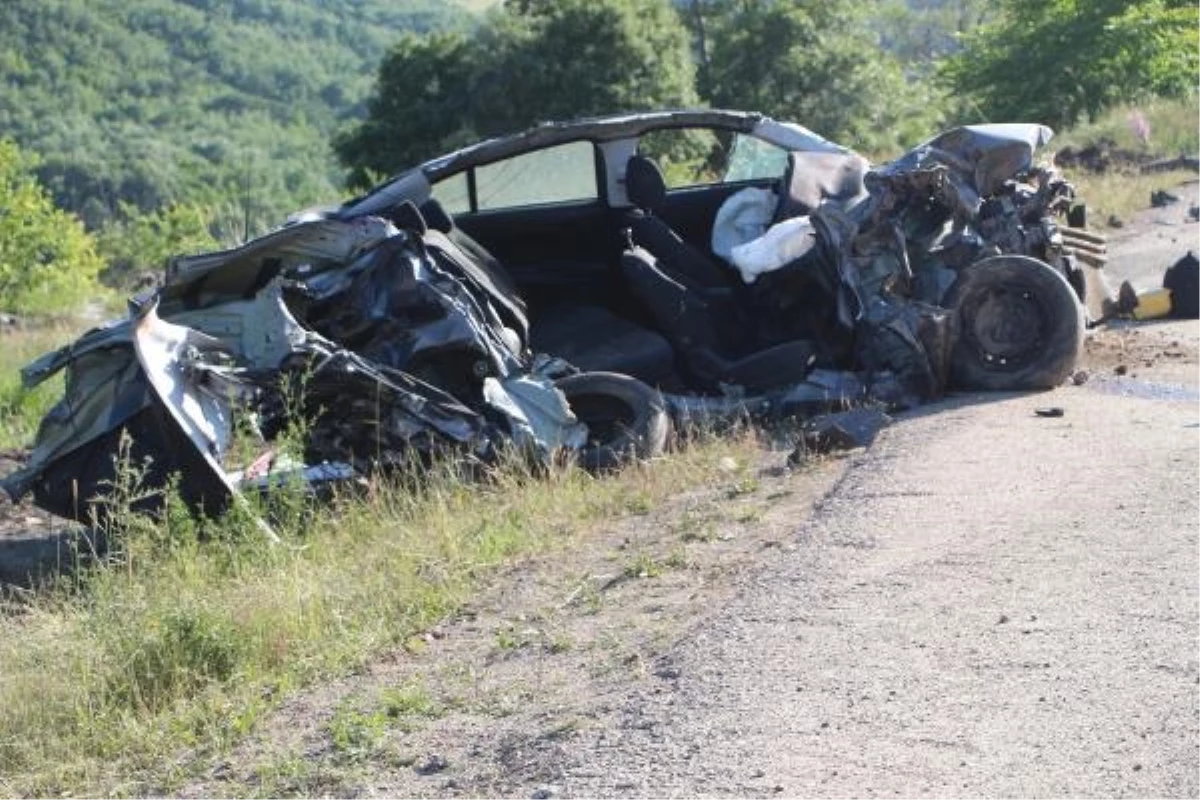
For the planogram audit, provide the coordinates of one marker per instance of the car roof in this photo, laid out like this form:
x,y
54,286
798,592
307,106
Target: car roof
x,y
597,129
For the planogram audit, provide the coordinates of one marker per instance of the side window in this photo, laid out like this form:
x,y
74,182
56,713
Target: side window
x,y
751,159
561,174
453,194
687,156
702,157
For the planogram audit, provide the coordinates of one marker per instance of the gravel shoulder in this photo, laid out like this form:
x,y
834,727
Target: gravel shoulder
x,y
985,602
989,603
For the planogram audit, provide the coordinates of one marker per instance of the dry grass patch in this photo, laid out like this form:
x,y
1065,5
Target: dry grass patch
x,y
125,678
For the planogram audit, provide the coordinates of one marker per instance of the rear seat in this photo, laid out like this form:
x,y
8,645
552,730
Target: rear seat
x,y
596,340
590,337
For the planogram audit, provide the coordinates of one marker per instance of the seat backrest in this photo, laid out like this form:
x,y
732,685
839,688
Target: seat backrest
x,y
644,184
646,188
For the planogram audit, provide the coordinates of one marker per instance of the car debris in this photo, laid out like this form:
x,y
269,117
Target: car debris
x,y
846,430
454,309
1179,296
1182,280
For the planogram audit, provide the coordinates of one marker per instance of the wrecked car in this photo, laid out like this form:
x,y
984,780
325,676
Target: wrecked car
x,y
573,288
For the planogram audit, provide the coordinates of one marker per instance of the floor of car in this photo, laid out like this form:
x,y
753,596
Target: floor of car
x,y
596,340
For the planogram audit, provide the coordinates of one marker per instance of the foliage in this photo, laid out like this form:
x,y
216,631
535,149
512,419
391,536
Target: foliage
x,y
533,61
47,260
920,33
1058,61
21,409
194,101
610,56
142,243
815,62
1158,128
421,107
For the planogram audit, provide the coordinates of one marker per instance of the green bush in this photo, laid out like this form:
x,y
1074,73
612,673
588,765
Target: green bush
x,y
48,262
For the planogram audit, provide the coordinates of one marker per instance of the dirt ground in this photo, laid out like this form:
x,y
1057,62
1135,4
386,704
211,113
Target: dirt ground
x,y
985,602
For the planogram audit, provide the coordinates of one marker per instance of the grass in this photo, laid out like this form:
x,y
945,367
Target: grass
x,y
21,409
1172,131
1172,128
141,670
1113,197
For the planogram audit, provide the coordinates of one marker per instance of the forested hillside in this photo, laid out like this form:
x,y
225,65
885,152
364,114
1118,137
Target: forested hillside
x,y
205,101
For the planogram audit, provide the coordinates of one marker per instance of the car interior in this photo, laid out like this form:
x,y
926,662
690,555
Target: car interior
x,y
630,287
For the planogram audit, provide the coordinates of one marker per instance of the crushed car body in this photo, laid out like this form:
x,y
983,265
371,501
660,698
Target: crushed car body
x,y
572,289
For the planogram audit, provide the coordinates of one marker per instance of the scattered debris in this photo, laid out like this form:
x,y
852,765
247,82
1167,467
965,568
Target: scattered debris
x,y
1152,304
432,765
843,431
1160,198
1182,280
1050,411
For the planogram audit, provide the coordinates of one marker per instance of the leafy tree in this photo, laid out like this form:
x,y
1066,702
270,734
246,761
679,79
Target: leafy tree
x,y
533,60
47,260
157,102
1057,61
143,242
421,107
560,59
921,33
817,62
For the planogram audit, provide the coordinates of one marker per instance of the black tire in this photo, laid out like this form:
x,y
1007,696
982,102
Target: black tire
x,y
626,419
1020,325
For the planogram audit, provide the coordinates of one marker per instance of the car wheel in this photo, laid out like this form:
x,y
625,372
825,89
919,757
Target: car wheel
x,y
626,419
1020,325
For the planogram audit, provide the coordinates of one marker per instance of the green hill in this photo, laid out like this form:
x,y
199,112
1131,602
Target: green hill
x,y
213,101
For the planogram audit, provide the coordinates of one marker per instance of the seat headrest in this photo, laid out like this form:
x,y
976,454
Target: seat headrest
x,y
405,215
435,214
644,184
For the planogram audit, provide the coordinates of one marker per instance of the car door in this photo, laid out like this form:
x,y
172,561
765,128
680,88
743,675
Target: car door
x,y
543,215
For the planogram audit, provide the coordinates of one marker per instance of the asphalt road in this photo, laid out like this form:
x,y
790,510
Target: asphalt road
x,y
991,602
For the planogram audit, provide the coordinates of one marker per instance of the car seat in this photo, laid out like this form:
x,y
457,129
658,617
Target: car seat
x,y
695,301
590,337
647,190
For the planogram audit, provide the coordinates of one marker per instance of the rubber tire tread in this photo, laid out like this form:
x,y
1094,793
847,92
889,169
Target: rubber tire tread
x,y
1061,343
644,437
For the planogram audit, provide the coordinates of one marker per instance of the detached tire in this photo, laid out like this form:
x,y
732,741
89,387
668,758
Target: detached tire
x,y
626,419
1020,326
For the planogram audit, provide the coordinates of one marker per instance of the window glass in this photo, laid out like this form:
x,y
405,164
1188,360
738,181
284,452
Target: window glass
x,y
452,194
560,174
701,156
751,159
686,156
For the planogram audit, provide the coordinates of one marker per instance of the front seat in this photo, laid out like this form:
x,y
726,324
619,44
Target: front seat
x,y
647,190
696,303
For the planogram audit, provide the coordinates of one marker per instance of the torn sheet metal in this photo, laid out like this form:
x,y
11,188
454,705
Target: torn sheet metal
x,y
539,417
379,347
